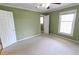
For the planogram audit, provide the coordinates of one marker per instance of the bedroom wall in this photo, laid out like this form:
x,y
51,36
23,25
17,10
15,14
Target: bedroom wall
x,y
54,20
27,23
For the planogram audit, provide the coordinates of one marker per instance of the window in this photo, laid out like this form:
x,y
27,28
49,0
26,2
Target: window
x,y
66,22
41,20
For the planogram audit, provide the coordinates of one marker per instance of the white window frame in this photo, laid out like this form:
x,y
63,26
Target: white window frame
x,y
67,12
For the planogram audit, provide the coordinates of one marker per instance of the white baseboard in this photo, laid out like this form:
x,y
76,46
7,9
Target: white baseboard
x,y
24,39
29,37
65,38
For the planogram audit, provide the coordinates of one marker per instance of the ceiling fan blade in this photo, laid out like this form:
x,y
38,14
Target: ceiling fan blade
x,y
55,3
48,7
52,3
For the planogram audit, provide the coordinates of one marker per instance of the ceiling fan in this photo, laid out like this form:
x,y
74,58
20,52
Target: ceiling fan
x,y
47,5
52,3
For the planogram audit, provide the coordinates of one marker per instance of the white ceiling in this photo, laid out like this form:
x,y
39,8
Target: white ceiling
x,y
32,6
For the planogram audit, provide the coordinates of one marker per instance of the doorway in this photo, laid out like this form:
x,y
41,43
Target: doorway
x,y
42,23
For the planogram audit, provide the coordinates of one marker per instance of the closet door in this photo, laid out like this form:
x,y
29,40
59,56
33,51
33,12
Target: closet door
x,y
46,24
7,29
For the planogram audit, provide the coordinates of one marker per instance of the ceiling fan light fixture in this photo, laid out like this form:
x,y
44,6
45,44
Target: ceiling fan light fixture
x,y
47,5
43,5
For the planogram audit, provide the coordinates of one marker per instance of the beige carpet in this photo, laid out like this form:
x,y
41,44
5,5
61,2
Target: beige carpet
x,y
43,45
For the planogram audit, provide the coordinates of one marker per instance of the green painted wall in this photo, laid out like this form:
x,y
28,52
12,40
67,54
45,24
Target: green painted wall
x,y
27,23
54,18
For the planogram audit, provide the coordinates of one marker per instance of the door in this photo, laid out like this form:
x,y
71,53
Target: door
x,y
7,29
46,24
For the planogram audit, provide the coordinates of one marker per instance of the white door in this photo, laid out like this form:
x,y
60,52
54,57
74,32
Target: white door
x,y
7,29
46,24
